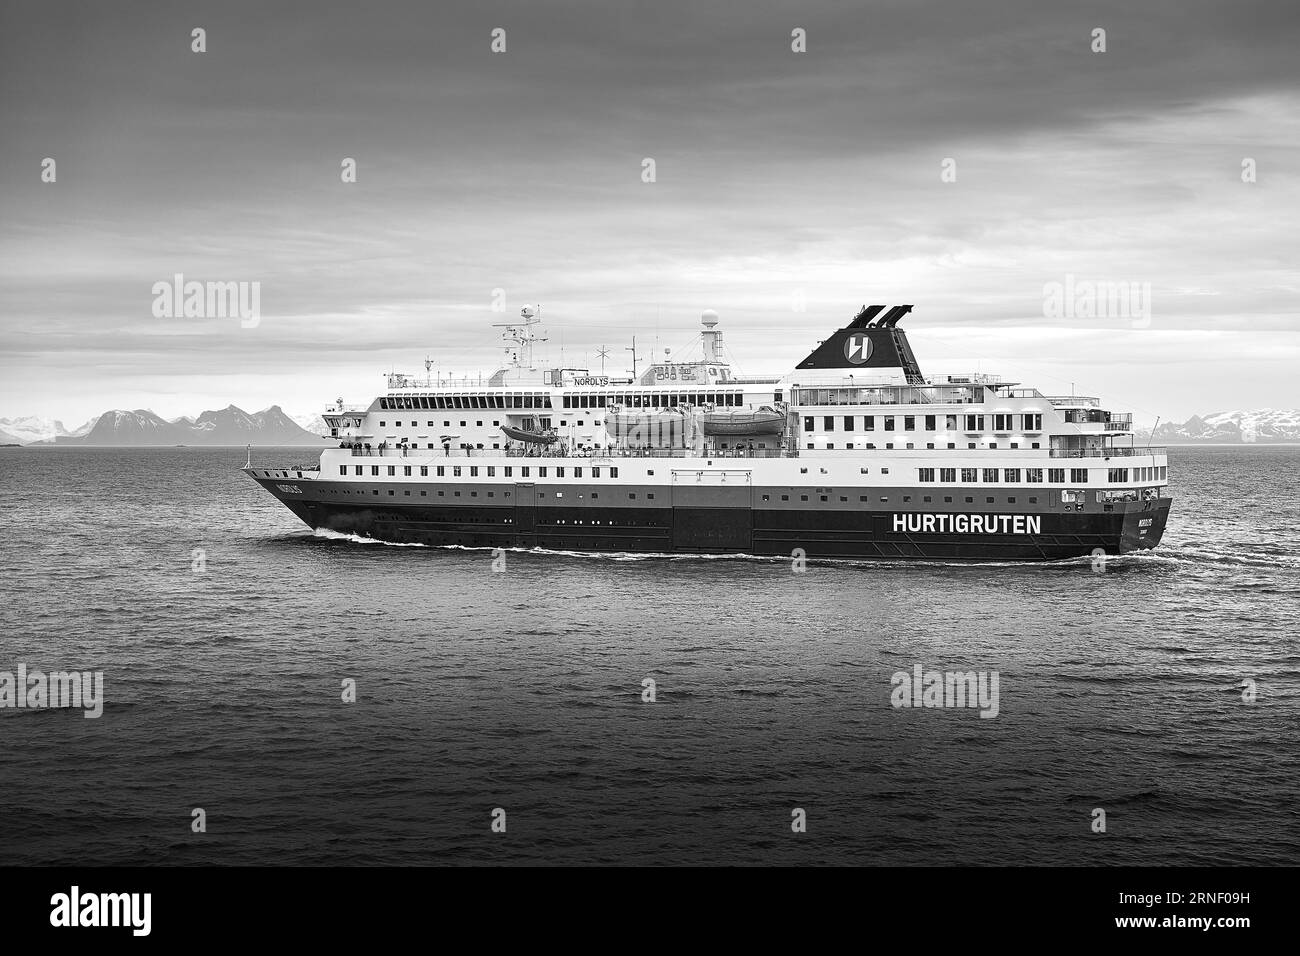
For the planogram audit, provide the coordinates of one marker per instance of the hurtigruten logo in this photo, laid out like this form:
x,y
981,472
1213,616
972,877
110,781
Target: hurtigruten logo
x,y
61,689
968,524
857,348
947,689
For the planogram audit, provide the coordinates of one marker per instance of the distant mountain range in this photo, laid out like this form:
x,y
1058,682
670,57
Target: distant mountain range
x,y
228,426
1261,425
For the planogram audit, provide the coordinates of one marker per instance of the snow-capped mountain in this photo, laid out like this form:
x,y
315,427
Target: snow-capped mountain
x,y
312,423
1260,425
227,426
84,429
30,429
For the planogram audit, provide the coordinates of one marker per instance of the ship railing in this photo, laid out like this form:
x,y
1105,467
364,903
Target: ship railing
x,y
615,452
1085,401
564,451
1124,452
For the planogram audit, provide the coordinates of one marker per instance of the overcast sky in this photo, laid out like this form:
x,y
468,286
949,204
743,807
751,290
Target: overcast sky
x,y
779,175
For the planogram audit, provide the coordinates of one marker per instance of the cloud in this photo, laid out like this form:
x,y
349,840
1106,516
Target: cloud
x,y
778,174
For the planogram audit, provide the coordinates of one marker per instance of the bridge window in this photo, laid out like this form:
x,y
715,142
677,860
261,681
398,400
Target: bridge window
x,y
1117,475
1056,476
1079,476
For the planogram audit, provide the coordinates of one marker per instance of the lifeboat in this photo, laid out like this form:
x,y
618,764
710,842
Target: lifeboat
x,y
763,421
534,435
666,428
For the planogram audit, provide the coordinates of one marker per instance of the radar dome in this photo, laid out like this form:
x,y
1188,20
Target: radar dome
x,y
709,318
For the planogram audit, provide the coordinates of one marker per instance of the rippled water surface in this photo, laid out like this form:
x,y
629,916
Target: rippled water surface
x,y
1119,690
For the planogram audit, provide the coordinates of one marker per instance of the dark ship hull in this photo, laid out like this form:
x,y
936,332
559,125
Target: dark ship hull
x,y
716,521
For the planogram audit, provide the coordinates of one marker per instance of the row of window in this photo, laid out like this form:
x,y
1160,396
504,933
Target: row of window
x,y
1056,476
543,400
1033,499
632,496
546,423
394,402
929,445
525,471
974,423
654,399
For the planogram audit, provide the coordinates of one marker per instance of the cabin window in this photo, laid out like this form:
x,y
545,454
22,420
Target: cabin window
x,y
492,471
524,470
909,423
1056,476
441,471
358,471
577,472
613,472
869,423
1079,476
948,475
374,469
889,423
455,471
541,471
925,474
343,469
406,470
473,471
1011,476
510,471
848,423
808,424
595,471
990,475
828,423
1034,475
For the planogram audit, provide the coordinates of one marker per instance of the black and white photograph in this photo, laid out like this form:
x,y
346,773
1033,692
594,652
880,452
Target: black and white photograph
x,y
649,435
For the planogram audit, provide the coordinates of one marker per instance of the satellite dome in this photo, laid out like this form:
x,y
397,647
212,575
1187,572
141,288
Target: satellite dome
x,y
709,318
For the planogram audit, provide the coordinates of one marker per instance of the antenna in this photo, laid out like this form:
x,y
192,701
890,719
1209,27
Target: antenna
x,y
633,351
604,354
522,334
1152,433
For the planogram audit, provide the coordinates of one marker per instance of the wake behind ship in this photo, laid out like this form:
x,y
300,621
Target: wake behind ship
x,y
853,454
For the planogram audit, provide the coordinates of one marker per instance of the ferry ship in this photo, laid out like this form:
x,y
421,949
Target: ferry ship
x,y
852,454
